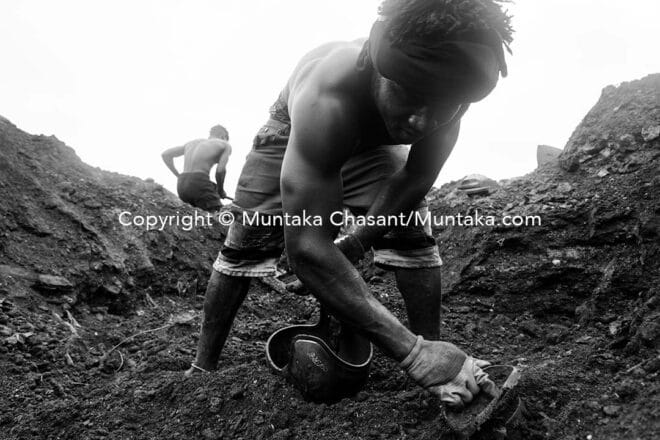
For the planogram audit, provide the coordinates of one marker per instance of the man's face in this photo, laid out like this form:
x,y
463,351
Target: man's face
x,y
410,118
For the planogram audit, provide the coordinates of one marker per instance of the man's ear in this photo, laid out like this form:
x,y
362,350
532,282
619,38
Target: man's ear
x,y
364,59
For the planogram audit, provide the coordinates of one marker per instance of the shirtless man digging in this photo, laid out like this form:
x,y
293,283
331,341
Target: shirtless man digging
x,y
337,137
199,156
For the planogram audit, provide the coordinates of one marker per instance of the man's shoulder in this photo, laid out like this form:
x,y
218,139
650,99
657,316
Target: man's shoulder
x,y
328,79
327,67
214,144
206,146
194,143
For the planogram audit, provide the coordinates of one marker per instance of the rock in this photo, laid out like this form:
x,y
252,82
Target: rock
x,y
651,133
279,419
530,328
603,172
501,320
200,394
649,330
408,395
282,434
593,405
614,328
586,339
215,403
564,187
236,392
592,148
476,184
626,389
209,434
627,139
611,410
556,333
5,331
569,163
110,289
142,395
546,154
53,283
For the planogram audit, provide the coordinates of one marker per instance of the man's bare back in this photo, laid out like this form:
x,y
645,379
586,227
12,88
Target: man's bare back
x,y
201,154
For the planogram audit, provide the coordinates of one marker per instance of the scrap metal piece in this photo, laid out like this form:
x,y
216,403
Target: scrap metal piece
x,y
505,406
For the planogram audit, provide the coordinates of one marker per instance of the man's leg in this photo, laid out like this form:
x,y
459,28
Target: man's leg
x,y
422,295
224,295
403,249
248,251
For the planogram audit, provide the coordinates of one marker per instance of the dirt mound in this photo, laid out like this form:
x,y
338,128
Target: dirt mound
x,y
572,301
62,231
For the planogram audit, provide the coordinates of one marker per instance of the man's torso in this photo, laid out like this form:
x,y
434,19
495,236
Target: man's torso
x,y
201,154
341,79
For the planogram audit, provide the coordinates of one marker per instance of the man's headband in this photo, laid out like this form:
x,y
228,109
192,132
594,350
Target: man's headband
x,y
465,69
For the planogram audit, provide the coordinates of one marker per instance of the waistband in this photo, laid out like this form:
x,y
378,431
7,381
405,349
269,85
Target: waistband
x,y
279,111
194,173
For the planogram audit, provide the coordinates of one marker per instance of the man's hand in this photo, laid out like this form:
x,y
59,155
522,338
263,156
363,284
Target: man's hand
x,y
445,370
169,155
467,384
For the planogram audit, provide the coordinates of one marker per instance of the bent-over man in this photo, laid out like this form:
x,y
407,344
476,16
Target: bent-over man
x,y
338,136
199,156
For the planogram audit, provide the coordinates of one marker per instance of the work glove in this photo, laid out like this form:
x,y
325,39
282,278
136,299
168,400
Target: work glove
x,y
446,371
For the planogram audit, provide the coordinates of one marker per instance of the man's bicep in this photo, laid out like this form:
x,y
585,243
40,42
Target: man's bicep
x,y
317,149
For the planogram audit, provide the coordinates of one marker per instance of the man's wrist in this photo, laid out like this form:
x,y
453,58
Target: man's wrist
x,y
414,352
351,247
369,234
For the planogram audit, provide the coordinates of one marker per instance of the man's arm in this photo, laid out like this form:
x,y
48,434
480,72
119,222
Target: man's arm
x,y
221,169
169,155
311,186
404,190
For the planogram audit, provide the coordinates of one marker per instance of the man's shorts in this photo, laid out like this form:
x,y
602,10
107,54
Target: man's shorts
x,y
198,190
253,251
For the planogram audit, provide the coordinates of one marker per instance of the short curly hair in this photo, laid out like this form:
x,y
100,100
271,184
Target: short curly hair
x,y
219,131
444,19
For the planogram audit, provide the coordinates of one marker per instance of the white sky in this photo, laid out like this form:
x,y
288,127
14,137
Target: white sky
x,y
122,80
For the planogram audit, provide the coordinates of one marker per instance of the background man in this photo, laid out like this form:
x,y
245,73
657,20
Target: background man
x,y
337,137
199,156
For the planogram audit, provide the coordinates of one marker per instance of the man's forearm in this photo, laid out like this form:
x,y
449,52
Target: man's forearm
x,y
169,162
400,193
220,182
335,282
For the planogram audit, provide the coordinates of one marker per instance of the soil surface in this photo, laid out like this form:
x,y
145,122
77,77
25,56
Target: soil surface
x,y
98,321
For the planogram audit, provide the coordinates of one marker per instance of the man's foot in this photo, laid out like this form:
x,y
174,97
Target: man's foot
x,y
194,370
